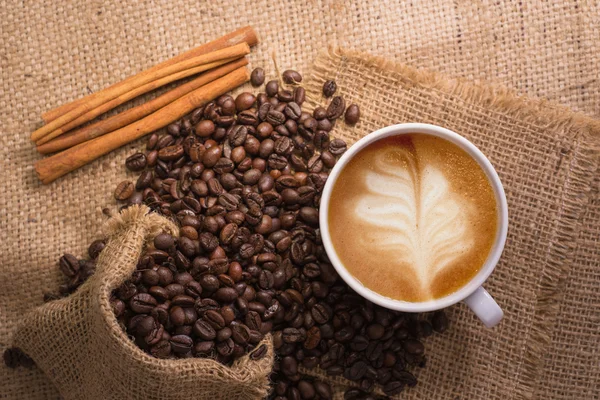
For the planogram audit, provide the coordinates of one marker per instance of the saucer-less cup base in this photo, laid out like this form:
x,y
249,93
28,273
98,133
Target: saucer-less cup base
x,y
473,294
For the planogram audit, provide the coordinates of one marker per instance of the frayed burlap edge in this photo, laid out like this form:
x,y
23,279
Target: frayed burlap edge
x,y
585,148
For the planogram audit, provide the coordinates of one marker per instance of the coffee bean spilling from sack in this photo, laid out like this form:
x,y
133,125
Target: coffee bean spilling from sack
x,y
244,176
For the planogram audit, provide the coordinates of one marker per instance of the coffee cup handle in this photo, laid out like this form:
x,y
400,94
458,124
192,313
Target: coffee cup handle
x,y
485,307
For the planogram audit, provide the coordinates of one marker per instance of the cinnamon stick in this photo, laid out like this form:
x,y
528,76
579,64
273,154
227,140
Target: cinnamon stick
x,y
51,168
208,61
245,34
90,115
126,117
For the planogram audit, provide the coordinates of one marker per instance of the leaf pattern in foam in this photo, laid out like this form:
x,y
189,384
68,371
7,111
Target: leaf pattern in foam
x,y
422,221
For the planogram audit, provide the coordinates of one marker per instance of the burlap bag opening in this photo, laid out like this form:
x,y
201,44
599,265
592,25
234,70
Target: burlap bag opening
x,y
79,345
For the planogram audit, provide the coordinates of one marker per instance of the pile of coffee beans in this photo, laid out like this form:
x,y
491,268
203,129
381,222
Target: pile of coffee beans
x,y
244,176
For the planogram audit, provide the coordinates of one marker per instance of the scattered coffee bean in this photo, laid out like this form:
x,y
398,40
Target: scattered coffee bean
x,y
329,88
290,76
124,190
136,162
352,114
257,77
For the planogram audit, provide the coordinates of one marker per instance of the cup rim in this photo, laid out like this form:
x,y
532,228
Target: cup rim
x,y
502,209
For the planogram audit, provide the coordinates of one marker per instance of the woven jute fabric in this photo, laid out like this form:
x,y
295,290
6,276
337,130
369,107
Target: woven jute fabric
x,y
79,344
547,158
53,52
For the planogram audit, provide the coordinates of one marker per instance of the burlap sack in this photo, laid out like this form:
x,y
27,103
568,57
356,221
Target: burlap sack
x,y
79,345
547,158
53,52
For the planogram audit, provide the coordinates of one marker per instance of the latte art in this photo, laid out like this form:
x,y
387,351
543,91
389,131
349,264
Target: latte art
x,y
422,220
419,217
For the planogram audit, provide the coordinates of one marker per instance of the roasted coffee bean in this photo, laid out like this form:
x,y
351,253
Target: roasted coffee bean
x,y
259,353
321,313
337,147
299,95
265,280
142,303
290,76
293,110
223,166
272,88
393,388
124,190
69,265
244,101
204,330
352,114
336,108
215,319
275,117
248,117
95,248
413,346
329,88
292,335
285,96
328,159
405,377
226,295
356,372
375,331
240,333
253,320
211,156
181,344
257,77
171,153
237,135
136,162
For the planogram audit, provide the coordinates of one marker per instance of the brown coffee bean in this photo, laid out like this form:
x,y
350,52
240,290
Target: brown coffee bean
x,y
237,135
69,265
253,320
329,88
181,344
211,156
226,295
124,190
393,388
257,77
142,303
244,101
336,108
171,153
299,95
275,117
292,110
290,76
215,319
136,162
204,330
337,147
413,346
352,114
272,88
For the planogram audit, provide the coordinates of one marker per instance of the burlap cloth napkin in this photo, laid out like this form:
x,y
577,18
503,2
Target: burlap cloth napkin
x,y
549,280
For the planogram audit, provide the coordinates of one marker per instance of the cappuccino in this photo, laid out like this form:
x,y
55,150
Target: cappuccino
x,y
412,217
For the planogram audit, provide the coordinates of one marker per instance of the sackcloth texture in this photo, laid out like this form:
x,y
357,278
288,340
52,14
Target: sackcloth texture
x,y
549,278
78,342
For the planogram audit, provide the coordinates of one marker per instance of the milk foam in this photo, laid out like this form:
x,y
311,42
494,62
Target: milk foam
x,y
416,215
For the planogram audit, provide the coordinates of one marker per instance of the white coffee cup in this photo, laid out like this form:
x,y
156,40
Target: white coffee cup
x,y
473,294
